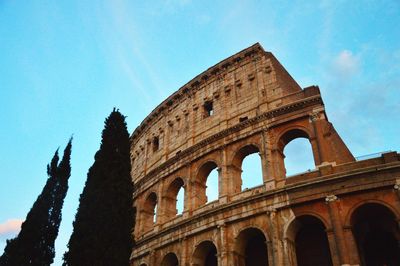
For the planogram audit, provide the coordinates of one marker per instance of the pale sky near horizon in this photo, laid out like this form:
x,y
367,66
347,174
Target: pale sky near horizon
x,y
64,65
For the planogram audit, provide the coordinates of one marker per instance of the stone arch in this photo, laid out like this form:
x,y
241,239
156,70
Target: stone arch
x,y
287,230
236,164
148,213
376,232
200,187
304,237
170,197
369,201
251,248
288,135
205,254
170,260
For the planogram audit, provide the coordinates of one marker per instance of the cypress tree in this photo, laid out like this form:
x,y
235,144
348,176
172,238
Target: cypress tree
x,y
104,220
34,244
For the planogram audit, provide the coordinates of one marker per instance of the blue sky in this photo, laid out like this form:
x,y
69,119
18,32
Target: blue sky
x,y
65,64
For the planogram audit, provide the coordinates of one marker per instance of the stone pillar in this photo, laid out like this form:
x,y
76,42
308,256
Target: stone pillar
x,y
289,252
197,194
339,243
274,244
184,260
351,246
268,162
223,176
397,188
268,180
187,208
315,140
152,258
223,247
222,195
333,246
277,166
234,179
166,211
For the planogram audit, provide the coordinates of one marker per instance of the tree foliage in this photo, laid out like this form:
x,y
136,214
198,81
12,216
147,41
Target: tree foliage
x,y
104,220
34,244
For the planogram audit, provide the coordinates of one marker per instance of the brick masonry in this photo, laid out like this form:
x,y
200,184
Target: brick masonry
x,y
246,104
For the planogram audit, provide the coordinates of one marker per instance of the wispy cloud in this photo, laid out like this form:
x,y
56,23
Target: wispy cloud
x,y
11,226
346,64
128,43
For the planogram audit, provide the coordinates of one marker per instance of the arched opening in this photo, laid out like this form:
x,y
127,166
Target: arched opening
x,y
149,211
205,254
247,168
377,235
298,157
180,201
174,197
308,243
251,248
206,187
212,186
296,151
170,260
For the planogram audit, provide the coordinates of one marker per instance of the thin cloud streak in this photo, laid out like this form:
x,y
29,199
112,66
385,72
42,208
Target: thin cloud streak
x,y
125,27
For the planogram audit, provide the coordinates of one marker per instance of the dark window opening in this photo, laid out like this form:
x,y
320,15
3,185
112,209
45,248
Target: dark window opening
x,y
156,144
208,109
312,246
376,232
242,119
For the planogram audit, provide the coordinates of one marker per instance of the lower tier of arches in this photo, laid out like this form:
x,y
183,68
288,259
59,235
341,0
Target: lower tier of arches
x,y
353,230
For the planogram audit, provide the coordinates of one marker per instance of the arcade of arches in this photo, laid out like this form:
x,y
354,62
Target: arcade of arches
x,y
197,143
372,238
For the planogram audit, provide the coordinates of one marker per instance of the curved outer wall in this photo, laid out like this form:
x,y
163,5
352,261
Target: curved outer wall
x,y
247,103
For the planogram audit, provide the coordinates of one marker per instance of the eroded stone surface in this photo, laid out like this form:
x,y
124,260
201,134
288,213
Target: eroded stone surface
x,y
247,104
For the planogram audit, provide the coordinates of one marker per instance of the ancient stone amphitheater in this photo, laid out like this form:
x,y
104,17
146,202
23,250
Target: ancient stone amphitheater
x,y
344,212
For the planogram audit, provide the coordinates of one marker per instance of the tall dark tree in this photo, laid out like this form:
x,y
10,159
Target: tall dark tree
x,y
34,244
103,223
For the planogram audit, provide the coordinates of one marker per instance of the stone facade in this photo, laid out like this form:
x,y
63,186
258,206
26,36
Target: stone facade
x,y
247,104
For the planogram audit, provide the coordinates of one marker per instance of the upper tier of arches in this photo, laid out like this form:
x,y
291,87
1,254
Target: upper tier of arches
x,y
234,91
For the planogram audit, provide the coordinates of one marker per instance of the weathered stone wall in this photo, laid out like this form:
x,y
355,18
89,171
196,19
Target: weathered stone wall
x,y
256,108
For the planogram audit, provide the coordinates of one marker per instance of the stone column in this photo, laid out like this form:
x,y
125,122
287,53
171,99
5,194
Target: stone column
x,y
397,188
223,177
270,160
289,254
223,247
268,180
187,208
184,260
222,185
276,167
315,140
343,249
333,246
351,245
198,197
166,212
234,179
274,244
153,258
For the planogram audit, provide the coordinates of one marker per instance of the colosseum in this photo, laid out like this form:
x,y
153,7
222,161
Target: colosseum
x,y
343,212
